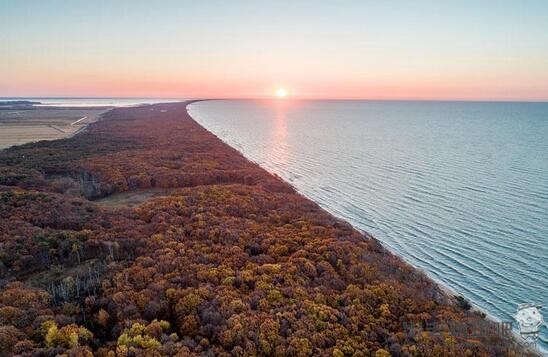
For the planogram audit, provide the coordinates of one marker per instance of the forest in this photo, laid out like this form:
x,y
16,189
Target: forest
x,y
232,261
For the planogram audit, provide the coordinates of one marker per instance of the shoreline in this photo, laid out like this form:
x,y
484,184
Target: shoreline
x,y
449,292
281,253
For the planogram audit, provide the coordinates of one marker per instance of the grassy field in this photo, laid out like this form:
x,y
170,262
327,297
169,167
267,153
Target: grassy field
x,y
20,126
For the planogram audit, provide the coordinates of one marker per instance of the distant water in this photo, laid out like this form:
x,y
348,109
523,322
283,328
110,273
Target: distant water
x,y
459,189
93,102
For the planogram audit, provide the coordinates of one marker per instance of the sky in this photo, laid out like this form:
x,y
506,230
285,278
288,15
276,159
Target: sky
x,y
443,50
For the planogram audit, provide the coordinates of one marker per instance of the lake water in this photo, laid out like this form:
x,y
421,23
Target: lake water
x,y
459,189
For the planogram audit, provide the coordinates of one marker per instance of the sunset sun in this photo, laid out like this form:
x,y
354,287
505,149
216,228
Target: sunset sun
x,y
281,93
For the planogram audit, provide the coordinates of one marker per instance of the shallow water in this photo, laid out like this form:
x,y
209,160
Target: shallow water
x,y
459,189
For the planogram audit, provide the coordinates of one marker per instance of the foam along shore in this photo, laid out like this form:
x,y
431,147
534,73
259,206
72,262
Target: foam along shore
x,y
229,259
20,124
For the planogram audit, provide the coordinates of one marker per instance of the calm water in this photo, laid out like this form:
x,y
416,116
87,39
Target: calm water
x,y
458,189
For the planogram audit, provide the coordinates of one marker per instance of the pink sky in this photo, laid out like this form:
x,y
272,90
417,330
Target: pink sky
x,y
405,50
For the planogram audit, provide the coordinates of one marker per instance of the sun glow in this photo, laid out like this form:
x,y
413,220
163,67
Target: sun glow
x,y
281,93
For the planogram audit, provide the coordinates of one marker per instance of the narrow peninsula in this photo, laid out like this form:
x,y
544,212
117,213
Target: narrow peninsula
x,y
146,235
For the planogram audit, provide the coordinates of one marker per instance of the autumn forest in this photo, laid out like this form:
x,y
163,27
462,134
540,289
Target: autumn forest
x,y
212,256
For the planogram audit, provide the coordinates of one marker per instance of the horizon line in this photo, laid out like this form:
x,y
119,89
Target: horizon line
x,y
287,98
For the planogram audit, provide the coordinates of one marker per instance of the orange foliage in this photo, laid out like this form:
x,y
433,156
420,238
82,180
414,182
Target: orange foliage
x,y
232,261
